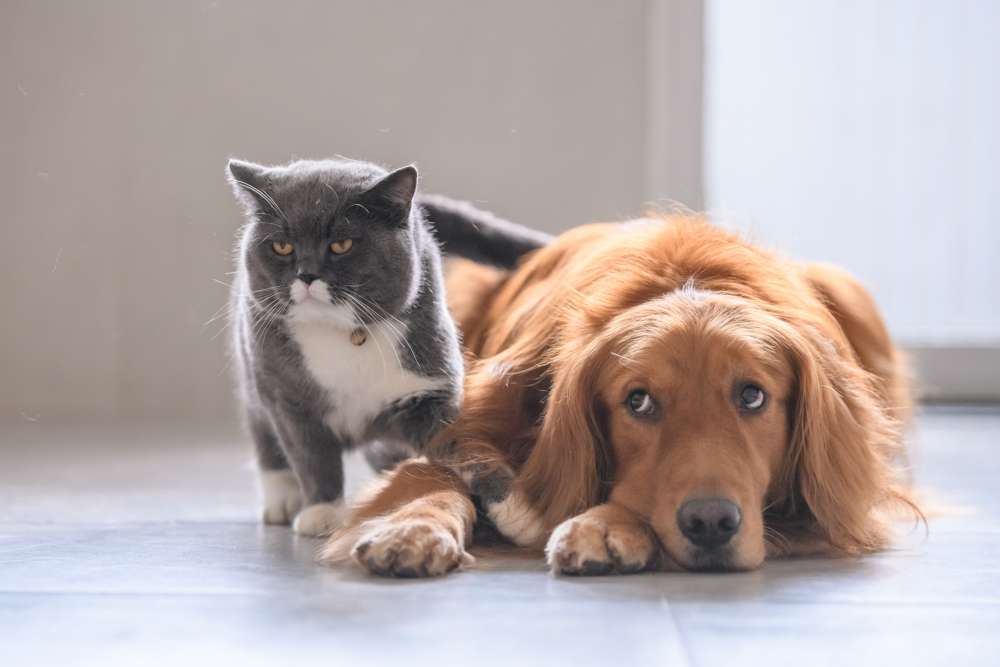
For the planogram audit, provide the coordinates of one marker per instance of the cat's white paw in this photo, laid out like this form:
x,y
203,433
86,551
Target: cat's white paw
x,y
280,496
320,519
517,520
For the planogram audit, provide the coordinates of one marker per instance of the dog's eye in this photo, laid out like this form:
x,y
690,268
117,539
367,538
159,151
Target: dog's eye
x,y
751,398
282,248
640,403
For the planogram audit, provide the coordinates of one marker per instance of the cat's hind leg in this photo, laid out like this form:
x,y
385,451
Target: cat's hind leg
x,y
280,496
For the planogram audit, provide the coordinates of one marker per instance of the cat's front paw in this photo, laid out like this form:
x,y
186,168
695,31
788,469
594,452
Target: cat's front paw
x,y
320,519
281,498
411,548
588,545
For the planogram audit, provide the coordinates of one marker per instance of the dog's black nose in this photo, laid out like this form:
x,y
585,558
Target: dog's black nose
x,y
709,522
307,278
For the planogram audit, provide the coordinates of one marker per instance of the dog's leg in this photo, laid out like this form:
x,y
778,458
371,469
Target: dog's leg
x,y
417,524
606,539
492,432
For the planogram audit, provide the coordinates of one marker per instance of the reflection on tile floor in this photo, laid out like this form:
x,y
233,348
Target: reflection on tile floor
x,y
135,547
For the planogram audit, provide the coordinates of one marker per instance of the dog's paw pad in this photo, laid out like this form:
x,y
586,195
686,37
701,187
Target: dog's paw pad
x,y
320,519
281,498
413,548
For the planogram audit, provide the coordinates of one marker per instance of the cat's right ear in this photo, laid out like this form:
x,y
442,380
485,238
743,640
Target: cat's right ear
x,y
393,195
249,182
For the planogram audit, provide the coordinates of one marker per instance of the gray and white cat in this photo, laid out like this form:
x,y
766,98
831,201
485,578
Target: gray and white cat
x,y
341,333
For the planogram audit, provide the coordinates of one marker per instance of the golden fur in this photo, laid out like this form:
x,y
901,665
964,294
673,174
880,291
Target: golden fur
x,y
686,312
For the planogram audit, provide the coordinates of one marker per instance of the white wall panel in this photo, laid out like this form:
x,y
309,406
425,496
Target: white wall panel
x,y
868,134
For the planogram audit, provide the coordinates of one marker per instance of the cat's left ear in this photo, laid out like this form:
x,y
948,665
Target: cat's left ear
x,y
393,195
249,184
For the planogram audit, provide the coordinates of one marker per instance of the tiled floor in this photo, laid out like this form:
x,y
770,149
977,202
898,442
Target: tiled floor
x,y
136,547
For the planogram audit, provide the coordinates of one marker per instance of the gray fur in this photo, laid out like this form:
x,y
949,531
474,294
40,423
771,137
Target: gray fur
x,y
395,268
479,235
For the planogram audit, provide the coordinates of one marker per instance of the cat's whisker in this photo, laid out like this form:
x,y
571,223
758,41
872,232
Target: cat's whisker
x,y
397,326
401,337
228,308
371,334
360,303
219,332
263,311
381,355
224,311
269,317
357,304
267,291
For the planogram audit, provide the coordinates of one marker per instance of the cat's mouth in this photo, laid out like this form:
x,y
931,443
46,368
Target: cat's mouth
x,y
315,291
313,302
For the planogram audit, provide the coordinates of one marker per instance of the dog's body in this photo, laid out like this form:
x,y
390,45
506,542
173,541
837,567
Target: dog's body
x,y
655,392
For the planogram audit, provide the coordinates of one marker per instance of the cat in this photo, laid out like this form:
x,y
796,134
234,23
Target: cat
x,y
341,334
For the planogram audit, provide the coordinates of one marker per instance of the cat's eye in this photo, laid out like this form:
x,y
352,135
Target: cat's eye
x,y
750,398
282,248
640,403
341,247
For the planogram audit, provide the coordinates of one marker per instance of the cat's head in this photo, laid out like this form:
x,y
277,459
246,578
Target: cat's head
x,y
329,240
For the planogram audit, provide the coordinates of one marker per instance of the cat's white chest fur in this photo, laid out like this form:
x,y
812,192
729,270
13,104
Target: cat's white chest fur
x,y
361,380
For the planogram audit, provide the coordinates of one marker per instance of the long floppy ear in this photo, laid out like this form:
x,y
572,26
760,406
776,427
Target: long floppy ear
x,y
568,468
843,437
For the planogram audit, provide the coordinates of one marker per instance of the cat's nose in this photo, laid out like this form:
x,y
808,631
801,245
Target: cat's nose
x,y
307,278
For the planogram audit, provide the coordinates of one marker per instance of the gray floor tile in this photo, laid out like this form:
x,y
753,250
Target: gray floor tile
x,y
137,546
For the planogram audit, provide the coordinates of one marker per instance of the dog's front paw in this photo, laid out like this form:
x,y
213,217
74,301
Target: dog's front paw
x,y
320,519
280,497
410,548
587,545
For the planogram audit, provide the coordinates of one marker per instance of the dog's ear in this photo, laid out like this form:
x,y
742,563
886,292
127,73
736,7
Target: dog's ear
x,y
568,468
843,437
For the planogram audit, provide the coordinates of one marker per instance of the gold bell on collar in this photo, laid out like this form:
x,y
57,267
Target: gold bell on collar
x,y
358,336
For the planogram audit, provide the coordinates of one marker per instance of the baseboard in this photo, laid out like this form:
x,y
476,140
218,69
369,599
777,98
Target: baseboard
x,y
956,374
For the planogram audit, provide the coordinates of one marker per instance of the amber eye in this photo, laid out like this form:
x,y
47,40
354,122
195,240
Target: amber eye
x,y
340,247
640,403
282,248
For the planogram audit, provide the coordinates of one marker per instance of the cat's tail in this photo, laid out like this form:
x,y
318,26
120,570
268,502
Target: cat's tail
x,y
466,231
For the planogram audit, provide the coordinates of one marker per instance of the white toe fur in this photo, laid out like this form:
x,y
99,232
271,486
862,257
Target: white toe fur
x,y
280,496
412,548
517,520
321,519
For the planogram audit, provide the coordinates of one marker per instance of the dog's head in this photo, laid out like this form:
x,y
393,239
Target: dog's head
x,y
730,428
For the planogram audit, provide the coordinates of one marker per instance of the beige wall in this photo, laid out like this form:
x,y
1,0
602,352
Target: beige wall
x,y
117,118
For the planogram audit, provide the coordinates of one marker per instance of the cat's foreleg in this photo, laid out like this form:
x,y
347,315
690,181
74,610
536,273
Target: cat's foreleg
x,y
280,496
417,419
315,454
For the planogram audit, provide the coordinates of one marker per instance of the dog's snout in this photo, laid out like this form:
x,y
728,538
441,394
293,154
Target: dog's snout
x,y
709,522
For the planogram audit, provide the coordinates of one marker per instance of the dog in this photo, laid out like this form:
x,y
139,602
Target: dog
x,y
655,394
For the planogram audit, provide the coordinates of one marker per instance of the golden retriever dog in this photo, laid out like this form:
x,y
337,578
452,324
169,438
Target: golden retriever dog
x,y
654,394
